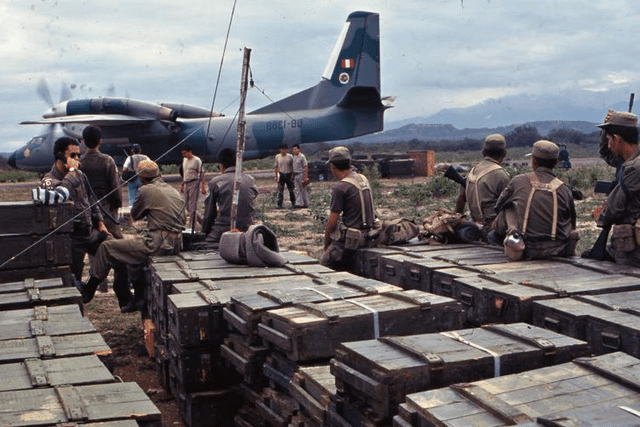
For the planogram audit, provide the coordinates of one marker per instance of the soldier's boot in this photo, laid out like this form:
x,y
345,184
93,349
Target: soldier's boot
x,y
138,302
88,290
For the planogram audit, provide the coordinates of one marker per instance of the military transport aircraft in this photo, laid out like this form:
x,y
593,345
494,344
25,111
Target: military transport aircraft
x,y
346,103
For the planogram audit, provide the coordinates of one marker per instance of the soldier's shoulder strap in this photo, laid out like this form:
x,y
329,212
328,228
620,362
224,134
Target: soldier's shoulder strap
x,y
552,187
475,177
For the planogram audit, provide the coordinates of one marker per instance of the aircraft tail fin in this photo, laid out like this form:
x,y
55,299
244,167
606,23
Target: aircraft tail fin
x,y
352,76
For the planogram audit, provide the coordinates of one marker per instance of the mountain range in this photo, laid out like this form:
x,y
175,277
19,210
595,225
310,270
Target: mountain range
x,y
579,110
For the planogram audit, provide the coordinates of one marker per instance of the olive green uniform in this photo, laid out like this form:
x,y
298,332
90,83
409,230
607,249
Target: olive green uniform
x,y
164,208
485,183
623,207
86,213
539,227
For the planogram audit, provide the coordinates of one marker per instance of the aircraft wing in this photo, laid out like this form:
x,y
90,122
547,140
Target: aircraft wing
x,y
94,119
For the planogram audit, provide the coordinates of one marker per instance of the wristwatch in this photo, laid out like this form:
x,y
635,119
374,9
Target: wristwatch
x,y
72,169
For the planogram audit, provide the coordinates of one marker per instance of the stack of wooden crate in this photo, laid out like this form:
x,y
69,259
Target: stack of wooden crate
x,y
188,295
597,391
56,369
35,240
374,376
306,346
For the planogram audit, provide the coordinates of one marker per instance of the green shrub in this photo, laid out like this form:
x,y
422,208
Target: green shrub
x,y
18,176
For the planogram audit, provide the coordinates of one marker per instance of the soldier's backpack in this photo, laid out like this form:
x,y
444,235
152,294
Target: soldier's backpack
x,y
397,232
441,225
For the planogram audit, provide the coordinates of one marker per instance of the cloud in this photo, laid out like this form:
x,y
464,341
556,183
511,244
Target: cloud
x,y
434,55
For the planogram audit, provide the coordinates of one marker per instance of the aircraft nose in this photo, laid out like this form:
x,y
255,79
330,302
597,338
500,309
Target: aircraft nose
x,y
12,160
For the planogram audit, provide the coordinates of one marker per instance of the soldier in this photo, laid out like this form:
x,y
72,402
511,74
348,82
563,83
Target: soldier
x,y
622,207
164,209
352,214
88,219
130,168
300,177
192,179
283,166
539,207
217,210
102,173
485,182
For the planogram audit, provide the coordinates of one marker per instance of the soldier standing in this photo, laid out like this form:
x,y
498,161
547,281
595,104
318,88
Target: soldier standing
x,y
300,177
622,207
102,174
283,165
88,217
192,179
131,167
539,207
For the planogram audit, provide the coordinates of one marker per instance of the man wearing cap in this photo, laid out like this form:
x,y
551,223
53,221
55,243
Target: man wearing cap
x,y
622,207
352,213
164,209
485,182
539,207
217,206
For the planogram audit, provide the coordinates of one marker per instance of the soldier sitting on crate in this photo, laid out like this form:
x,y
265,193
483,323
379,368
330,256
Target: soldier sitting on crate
x,y
217,206
164,209
352,215
536,212
485,182
622,207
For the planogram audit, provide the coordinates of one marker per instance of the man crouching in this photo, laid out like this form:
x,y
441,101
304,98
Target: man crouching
x,y
352,213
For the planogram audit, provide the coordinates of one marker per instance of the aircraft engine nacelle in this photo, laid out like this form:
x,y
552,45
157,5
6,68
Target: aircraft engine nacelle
x,y
123,106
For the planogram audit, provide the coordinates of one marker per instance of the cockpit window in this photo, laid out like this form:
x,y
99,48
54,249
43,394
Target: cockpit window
x,y
35,141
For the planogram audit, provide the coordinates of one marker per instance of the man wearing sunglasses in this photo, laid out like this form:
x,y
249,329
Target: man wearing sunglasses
x,y
88,218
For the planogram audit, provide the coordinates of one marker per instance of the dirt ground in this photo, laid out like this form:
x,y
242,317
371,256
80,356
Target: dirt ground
x,y
298,230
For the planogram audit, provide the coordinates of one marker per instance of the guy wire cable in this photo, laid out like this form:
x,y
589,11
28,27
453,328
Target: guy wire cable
x,y
158,158
224,50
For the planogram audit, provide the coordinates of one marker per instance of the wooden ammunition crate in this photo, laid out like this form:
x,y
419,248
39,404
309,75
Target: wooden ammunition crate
x,y
410,270
32,250
195,319
30,284
43,320
380,373
210,408
44,346
597,391
246,357
81,404
40,272
198,369
312,388
34,373
479,295
244,311
368,262
26,217
34,297
312,331
609,322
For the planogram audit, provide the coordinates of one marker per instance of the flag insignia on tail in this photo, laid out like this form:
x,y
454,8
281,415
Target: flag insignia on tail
x,y
348,63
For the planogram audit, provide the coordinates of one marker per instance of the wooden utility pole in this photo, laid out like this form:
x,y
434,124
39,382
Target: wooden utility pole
x,y
241,137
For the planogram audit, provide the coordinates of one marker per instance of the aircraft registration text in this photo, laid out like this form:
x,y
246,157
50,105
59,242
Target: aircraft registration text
x,y
284,124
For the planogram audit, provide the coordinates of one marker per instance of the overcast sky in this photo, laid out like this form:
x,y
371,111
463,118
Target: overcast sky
x,y
435,54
